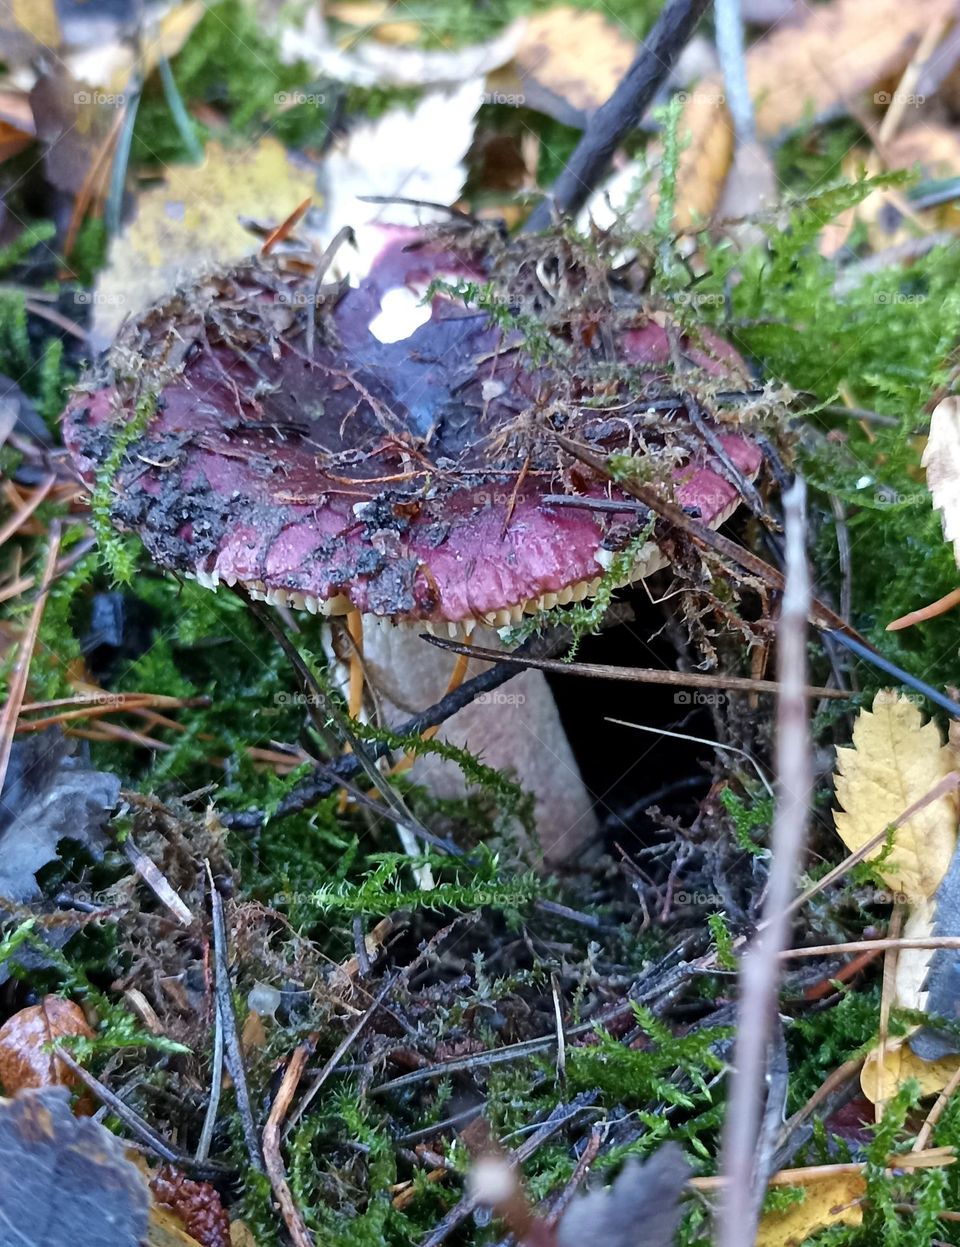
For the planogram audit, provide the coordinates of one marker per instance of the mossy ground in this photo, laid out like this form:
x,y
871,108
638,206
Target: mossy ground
x,y
888,345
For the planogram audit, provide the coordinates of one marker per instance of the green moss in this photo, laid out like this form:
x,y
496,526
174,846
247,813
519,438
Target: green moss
x,y
231,64
887,341
119,552
472,886
722,938
748,820
822,1041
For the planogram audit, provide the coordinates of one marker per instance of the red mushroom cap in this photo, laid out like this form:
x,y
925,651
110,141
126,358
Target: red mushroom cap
x,y
332,469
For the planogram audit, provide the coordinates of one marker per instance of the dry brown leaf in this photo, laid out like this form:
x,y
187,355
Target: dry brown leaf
x,y
901,1063
895,760
192,220
829,1200
817,65
569,62
835,54
25,1038
72,125
933,149
941,458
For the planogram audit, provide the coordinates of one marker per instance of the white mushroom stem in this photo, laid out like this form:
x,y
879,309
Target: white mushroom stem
x,y
515,728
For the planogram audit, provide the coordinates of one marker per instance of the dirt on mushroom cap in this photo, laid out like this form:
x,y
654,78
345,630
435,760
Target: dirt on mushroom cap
x,y
289,447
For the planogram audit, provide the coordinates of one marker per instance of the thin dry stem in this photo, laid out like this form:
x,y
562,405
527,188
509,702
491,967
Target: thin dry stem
x,y
761,964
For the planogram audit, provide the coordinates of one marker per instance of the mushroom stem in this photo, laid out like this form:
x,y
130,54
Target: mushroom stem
x,y
355,698
516,729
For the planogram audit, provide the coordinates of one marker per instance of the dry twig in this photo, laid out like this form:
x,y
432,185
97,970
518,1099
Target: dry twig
x,y
760,966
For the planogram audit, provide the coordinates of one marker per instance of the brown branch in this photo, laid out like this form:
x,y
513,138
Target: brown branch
x,y
621,112
292,1216
636,675
17,684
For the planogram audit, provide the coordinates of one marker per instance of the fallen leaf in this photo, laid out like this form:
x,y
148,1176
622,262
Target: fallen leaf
x,y
192,221
913,964
817,66
829,1200
72,125
895,760
165,1229
643,1195
25,1038
65,1179
568,62
834,55
941,458
930,146
707,132
890,220
48,796
901,1063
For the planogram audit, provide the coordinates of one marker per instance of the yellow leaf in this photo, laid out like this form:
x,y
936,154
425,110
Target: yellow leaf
x,y
835,54
941,458
896,759
706,130
900,1064
913,963
570,60
36,18
166,1230
829,1200
374,17
815,66
192,221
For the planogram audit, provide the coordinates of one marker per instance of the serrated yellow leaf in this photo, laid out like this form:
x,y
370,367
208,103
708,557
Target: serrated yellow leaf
x,y
895,760
832,1199
900,1064
913,963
